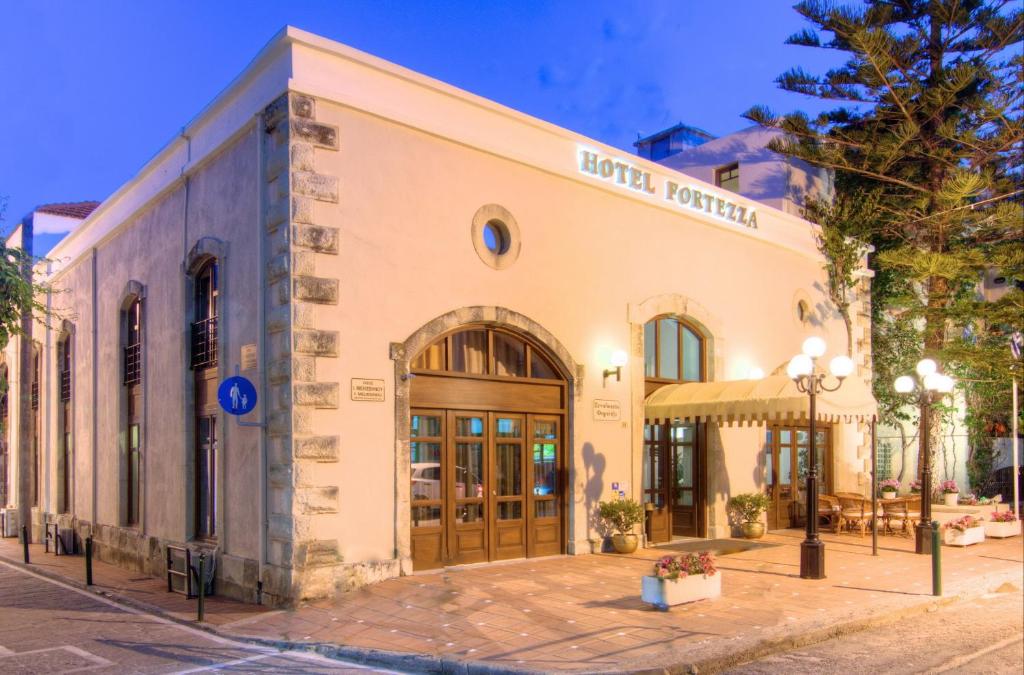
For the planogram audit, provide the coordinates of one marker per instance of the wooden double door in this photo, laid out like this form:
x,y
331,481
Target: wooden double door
x,y
786,465
674,478
485,486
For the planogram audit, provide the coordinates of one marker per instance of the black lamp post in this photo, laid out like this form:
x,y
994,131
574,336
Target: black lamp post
x,y
802,371
931,386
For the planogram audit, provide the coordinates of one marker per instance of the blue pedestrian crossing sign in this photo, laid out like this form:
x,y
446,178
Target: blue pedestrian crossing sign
x,y
236,395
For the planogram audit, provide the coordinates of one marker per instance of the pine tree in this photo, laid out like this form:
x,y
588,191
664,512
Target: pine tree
x,y
928,128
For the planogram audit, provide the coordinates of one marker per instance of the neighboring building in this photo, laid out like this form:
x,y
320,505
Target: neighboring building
x,y
667,142
742,163
453,314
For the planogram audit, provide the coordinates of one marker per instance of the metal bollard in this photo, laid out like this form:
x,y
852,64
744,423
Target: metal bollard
x,y
24,542
201,591
936,560
88,560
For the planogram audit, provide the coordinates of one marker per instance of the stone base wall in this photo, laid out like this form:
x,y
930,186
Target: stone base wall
x,y
236,577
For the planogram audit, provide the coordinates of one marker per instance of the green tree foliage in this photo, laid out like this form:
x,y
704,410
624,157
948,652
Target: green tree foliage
x,y
928,128
16,290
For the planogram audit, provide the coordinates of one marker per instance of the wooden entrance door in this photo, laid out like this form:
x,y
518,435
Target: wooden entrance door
x,y
673,480
787,465
485,486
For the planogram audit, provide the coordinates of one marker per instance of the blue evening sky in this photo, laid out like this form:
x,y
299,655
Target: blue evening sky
x,y
93,89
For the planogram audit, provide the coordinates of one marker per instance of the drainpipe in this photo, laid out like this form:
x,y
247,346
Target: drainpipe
x,y
94,334
25,420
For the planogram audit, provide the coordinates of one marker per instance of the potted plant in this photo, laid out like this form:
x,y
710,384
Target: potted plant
x,y
1003,524
950,492
889,488
915,487
689,577
747,508
621,516
964,531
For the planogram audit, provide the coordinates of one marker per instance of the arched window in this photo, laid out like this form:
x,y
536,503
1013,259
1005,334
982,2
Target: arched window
x,y
485,351
673,351
131,341
64,354
205,310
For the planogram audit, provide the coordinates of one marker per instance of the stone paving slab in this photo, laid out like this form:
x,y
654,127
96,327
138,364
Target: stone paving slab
x,y
584,613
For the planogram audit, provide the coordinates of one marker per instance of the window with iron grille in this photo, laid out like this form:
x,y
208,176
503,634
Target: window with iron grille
x,y
65,369
34,387
133,344
204,327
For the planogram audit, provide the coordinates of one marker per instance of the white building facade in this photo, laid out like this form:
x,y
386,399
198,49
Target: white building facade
x,y
452,314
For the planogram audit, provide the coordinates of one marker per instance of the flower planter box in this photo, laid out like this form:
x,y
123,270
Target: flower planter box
x,y
1002,530
888,494
972,535
663,593
950,498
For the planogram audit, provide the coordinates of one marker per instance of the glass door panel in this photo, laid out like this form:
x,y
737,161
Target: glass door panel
x,y
508,491
544,523
467,511
655,482
427,489
683,471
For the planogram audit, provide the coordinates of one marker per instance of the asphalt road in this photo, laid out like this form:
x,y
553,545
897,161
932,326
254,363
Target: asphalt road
x,y
978,636
49,627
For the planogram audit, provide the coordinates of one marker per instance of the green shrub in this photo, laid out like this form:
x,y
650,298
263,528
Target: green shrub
x,y
749,506
621,515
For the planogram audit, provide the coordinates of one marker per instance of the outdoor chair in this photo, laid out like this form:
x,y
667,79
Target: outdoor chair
x,y
829,509
906,512
855,511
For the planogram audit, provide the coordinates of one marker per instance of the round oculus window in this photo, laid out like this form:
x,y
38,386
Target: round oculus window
x,y
495,236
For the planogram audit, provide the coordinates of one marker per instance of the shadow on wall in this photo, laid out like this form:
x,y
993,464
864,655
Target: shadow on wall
x,y
716,467
593,483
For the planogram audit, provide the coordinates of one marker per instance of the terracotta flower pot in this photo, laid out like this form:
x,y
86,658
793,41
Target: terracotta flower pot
x,y
754,530
625,543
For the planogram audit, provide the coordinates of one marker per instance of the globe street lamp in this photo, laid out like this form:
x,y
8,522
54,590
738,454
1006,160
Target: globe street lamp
x,y
802,371
931,386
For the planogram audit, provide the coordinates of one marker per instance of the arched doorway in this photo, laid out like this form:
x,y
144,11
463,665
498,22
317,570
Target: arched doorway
x,y
675,452
487,449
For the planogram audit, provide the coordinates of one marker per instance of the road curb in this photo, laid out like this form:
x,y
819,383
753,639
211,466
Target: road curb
x,y
421,663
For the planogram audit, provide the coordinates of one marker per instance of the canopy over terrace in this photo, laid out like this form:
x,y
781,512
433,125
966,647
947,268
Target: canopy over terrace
x,y
774,398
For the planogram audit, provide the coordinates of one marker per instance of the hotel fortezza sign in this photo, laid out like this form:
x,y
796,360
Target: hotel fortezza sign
x,y
629,177
367,390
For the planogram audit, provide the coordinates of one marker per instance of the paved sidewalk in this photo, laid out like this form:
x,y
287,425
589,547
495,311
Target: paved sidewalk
x,y
584,614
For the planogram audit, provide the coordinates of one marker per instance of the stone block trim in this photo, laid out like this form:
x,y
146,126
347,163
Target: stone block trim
x,y
314,500
303,106
320,239
320,135
315,289
317,394
303,562
318,448
317,552
315,342
319,186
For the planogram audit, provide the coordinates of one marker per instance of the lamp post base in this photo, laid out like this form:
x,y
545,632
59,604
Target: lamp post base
x,y
923,538
812,560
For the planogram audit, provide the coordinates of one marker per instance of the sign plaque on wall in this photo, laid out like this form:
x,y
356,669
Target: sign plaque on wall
x,y
607,411
249,357
367,390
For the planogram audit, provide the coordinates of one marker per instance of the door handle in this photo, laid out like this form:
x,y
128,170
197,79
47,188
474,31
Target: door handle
x,y
494,492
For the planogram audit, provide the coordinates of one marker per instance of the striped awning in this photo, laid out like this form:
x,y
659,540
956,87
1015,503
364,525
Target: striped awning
x,y
770,399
